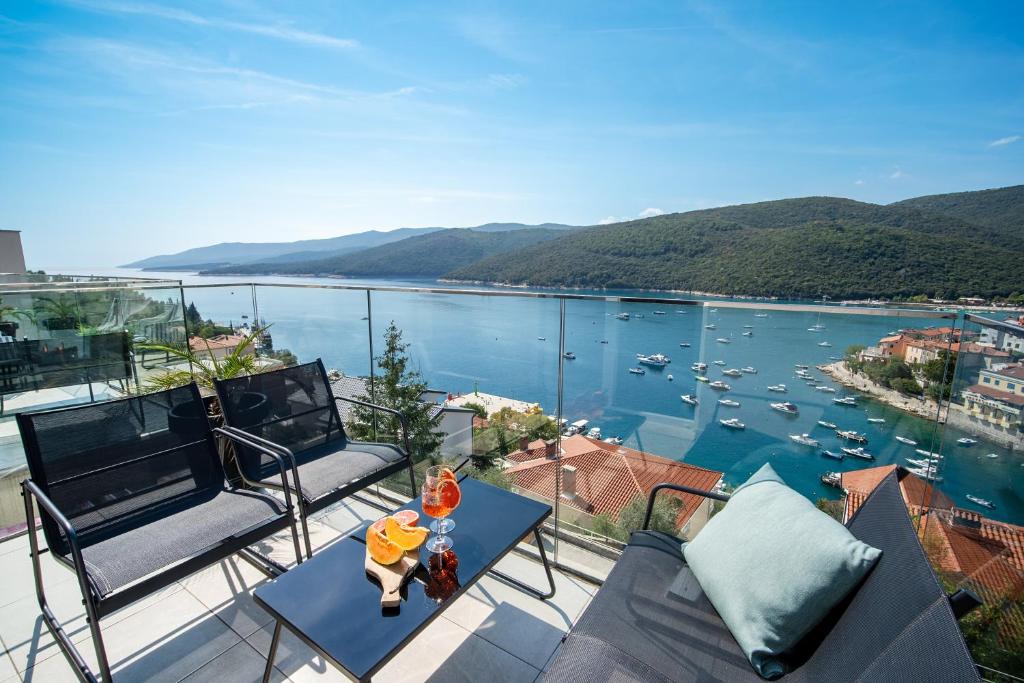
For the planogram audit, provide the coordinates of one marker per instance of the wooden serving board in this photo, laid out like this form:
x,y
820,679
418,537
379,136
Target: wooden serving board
x,y
392,576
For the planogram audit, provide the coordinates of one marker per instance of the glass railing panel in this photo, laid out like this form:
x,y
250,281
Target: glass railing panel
x,y
306,323
489,369
974,532
61,347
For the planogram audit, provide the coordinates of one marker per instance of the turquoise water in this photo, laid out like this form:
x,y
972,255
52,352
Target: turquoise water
x,y
462,343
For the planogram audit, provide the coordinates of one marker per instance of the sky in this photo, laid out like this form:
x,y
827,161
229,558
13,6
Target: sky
x,y
129,129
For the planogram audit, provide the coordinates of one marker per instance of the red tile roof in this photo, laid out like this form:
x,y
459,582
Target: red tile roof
x,y
221,341
609,477
1012,371
917,493
1004,396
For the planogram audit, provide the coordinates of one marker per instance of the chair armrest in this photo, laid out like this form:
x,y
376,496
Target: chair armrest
x,y
676,487
392,411
32,490
264,447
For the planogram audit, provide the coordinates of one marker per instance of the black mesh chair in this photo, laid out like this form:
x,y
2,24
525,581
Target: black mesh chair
x,y
652,622
132,498
291,412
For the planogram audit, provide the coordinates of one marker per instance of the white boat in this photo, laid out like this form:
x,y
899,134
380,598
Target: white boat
x,y
637,371
614,440
569,355
827,425
684,345
780,388
827,389
594,433
813,329
723,340
857,453
832,479
732,372
966,441
542,338
703,378
749,327
801,367
659,312
992,456
785,407
922,462
845,401
729,403
832,454
760,315
903,439
718,362
925,473
876,420
749,370
804,440
709,327
670,378
981,501
825,344
719,385
699,367
622,316
713,310
689,399
578,426
851,435
732,423
748,333
680,312
928,454
656,360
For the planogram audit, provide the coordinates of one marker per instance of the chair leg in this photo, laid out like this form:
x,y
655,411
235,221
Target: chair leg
x,y
305,529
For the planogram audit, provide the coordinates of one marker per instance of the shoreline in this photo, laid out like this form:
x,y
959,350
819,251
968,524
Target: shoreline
x,y
921,407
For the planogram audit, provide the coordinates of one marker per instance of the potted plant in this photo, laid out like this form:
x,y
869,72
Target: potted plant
x,y
8,327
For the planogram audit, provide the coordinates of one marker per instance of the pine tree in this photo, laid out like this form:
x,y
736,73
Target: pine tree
x,y
399,388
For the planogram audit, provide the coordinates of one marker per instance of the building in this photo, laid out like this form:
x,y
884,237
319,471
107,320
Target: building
x,y
998,397
1007,337
456,425
918,494
491,402
602,478
218,347
12,258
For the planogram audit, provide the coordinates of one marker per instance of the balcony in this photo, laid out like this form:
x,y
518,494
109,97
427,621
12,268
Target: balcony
x,y
608,376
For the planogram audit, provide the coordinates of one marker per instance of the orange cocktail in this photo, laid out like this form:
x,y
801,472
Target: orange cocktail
x,y
440,495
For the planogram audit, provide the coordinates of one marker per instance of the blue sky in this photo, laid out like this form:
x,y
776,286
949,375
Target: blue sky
x,y
134,128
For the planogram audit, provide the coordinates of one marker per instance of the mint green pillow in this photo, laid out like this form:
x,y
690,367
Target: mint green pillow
x,y
773,565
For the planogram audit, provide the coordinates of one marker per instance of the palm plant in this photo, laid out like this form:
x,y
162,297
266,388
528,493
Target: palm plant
x,y
63,312
7,312
205,366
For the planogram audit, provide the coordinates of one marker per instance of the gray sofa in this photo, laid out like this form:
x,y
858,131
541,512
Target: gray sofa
x,y
650,621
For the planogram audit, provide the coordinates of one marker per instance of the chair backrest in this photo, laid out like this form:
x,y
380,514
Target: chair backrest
x,y
898,624
109,464
292,407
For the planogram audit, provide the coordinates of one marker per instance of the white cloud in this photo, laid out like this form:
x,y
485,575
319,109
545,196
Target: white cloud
x,y
506,81
278,32
1008,140
897,174
608,220
858,181
649,213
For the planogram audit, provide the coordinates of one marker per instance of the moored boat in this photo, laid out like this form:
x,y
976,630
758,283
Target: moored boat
x,y
637,371
903,439
729,403
834,479
732,372
845,401
709,327
876,420
827,389
804,440
779,388
719,385
981,501
827,425
831,454
732,423
966,441
718,362
699,367
851,435
684,345
857,453
723,340
569,355
785,407
703,378
689,399
749,370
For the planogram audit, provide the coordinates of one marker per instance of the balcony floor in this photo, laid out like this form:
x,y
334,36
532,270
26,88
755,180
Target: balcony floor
x,y
207,628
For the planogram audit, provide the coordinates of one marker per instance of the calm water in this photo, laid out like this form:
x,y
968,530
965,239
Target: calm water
x,y
509,347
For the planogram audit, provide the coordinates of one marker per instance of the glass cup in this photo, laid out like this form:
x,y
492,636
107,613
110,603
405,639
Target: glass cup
x,y
439,496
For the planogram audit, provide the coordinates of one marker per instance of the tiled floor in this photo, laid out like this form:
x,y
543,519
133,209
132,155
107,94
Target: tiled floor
x,y
207,628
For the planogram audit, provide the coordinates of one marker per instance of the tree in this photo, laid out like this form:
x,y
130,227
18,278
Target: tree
x,y
832,508
941,369
906,385
398,388
480,411
285,356
192,316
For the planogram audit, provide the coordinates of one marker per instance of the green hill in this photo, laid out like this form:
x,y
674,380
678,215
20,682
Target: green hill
x,y
790,248
430,255
1000,210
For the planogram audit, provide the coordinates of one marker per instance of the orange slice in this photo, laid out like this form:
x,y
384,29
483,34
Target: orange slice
x,y
382,549
405,537
447,473
407,517
449,492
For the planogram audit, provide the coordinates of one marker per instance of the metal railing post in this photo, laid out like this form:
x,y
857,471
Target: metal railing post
x,y
558,422
373,388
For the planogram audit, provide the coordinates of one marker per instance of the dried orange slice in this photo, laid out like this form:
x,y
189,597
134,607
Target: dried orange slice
x,y
405,537
382,549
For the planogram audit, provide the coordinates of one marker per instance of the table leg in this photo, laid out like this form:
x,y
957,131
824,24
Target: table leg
x,y
273,652
547,569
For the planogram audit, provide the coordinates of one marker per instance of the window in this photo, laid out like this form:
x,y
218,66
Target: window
x,y
1010,386
986,380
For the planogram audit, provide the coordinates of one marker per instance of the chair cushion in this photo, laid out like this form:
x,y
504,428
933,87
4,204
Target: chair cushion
x,y
642,615
330,466
773,565
176,531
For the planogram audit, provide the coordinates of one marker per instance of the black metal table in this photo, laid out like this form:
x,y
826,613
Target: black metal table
x,y
333,606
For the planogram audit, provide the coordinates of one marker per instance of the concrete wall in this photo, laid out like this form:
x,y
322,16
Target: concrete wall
x,y
12,258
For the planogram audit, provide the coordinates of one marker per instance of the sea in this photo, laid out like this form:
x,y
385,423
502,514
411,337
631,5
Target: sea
x,y
509,346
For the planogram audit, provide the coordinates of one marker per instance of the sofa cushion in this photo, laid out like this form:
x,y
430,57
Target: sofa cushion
x,y
773,565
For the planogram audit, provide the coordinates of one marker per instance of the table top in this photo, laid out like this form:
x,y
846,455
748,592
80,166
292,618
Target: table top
x,y
334,606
